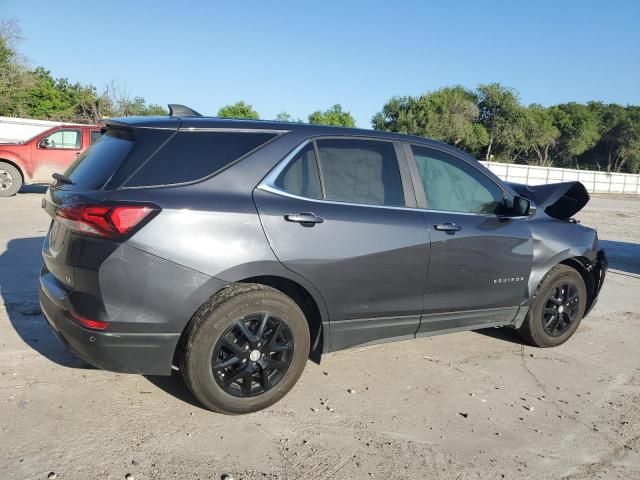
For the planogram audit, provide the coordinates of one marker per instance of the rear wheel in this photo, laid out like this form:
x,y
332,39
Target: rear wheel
x,y
245,349
557,309
10,180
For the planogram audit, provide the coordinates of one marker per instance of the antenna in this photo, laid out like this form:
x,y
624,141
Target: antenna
x,y
177,110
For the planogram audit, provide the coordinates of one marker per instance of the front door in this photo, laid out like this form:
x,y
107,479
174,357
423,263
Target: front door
x,y
340,220
55,152
480,259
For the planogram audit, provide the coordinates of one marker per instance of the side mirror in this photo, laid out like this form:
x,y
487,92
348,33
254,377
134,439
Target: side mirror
x,y
44,143
523,207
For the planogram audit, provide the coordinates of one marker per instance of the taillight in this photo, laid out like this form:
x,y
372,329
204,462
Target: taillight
x,y
113,222
88,323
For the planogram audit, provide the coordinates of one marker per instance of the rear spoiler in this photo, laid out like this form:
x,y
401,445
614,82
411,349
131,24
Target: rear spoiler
x,y
558,200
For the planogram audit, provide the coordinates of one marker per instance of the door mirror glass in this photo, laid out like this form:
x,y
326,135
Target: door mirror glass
x,y
44,143
523,207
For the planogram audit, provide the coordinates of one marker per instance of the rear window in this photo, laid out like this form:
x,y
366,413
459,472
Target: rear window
x,y
190,156
94,166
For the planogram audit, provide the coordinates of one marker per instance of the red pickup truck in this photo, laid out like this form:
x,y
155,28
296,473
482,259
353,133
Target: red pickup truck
x,y
34,160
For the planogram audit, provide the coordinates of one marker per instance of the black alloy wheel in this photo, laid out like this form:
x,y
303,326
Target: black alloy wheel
x,y
252,355
560,309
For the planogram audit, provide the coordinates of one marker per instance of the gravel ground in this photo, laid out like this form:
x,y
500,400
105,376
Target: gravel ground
x,y
465,405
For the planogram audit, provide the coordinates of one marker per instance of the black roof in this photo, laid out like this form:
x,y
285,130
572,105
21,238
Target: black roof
x,y
202,122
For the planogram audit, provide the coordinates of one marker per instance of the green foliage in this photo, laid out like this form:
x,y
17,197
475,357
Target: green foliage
x,y
449,114
240,110
539,134
579,129
504,119
333,116
286,117
492,123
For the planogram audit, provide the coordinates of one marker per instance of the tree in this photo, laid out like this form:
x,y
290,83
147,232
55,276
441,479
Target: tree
x,y
334,116
540,134
578,126
502,116
286,117
15,80
619,142
238,110
449,114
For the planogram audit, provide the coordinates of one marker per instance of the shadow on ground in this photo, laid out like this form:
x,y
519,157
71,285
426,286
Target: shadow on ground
x,y
174,385
623,256
19,269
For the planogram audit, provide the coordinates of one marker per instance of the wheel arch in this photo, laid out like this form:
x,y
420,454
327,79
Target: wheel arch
x,y
17,165
584,267
309,301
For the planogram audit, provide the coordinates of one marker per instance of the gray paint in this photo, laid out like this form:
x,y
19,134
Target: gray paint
x,y
376,273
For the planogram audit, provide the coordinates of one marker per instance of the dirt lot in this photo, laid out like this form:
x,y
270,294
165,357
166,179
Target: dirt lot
x,y
465,405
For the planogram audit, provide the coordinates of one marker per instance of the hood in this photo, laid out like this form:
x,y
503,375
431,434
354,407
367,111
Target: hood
x,y
9,141
558,200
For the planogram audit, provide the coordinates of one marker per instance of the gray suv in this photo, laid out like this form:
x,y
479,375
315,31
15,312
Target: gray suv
x,y
236,250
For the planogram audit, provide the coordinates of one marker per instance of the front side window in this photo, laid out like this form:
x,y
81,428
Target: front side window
x,y
65,139
301,176
360,171
453,186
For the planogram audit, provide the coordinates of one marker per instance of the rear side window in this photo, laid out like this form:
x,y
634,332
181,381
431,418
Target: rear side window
x,y
94,166
301,176
190,156
360,171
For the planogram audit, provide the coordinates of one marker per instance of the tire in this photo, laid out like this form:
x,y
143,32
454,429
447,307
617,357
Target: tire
x,y
214,337
541,327
10,180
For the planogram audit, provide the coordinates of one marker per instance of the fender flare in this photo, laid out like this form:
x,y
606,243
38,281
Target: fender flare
x,y
18,162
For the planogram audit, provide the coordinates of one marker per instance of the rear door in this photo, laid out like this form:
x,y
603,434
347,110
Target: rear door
x,y
336,212
480,258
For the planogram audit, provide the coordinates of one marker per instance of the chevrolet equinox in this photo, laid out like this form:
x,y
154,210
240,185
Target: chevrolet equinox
x,y
236,250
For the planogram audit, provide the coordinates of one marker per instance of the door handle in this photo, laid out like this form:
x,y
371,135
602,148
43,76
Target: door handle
x,y
306,219
448,227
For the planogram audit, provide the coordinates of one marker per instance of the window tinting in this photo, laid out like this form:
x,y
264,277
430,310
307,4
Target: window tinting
x,y
451,185
190,156
66,139
94,166
301,176
360,171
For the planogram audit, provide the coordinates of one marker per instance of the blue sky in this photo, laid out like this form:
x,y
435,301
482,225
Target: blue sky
x,y
305,55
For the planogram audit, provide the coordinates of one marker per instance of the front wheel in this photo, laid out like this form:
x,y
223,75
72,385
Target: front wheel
x,y
244,349
10,180
557,308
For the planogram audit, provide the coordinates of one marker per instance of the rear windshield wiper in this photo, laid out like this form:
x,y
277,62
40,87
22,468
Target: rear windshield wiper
x,y
62,179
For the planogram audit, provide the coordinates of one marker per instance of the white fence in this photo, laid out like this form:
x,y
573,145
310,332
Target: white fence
x,y
594,181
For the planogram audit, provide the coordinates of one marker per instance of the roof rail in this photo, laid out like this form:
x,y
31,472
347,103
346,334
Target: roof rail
x,y
177,110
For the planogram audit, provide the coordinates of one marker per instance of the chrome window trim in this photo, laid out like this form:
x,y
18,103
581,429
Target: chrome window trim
x,y
268,185
232,130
